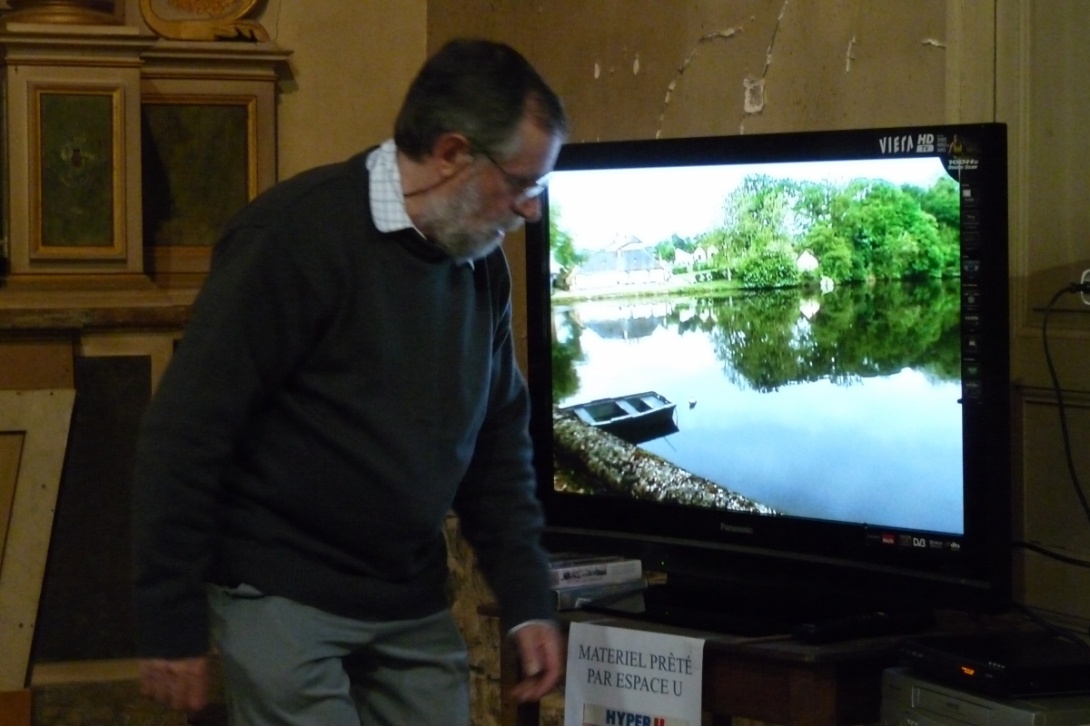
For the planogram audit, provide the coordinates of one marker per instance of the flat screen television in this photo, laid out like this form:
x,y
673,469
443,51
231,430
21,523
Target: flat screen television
x,y
776,367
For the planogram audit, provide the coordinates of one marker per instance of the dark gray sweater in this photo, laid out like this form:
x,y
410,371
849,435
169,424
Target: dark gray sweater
x,y
337,391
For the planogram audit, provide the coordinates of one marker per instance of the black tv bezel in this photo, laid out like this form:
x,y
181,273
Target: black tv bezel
x,y
800,557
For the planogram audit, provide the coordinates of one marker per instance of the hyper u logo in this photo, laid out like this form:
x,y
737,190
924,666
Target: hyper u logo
x,y
598,714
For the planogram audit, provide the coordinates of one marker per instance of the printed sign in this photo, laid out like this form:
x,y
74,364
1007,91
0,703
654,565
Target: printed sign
x,y
622,676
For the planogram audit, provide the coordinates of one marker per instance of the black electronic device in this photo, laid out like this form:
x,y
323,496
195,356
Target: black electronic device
x,y
862,625
776,367
1016,664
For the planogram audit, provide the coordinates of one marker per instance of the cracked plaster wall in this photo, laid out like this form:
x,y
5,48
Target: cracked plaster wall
x,y
645,68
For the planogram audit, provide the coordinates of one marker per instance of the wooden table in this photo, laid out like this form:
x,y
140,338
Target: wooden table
x,y
776,680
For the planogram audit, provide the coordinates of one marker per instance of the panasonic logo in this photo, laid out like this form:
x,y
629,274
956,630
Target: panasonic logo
x,y
725,528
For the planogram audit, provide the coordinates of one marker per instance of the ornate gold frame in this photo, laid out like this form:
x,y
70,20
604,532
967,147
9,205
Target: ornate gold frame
x,y
196,100
180,264
209,76
113,245
205,20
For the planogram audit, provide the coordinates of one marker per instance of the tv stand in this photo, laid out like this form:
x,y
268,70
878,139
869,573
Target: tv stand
x,y
673,606
760,614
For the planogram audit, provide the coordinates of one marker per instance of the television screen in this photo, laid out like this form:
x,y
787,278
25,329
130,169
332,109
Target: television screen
x,y
786,353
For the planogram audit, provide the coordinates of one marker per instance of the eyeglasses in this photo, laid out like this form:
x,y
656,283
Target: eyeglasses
x,y
523,188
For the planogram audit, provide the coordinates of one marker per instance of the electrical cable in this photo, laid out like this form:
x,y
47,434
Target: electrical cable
x,y
1072,288
1051,553
1067,634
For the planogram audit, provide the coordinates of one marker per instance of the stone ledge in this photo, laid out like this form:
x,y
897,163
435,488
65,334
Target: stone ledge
x,y
106,691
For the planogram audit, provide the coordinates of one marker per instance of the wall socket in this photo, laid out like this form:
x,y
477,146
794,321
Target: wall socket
x,y
1085,282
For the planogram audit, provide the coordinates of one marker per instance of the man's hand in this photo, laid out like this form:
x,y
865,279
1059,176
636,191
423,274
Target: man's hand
x,y
539,651
177,683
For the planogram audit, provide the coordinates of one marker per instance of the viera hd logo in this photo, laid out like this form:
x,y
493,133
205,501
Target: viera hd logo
x,y
597,714
906,143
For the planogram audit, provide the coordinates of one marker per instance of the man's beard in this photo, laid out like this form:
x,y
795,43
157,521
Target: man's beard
x,y
448,221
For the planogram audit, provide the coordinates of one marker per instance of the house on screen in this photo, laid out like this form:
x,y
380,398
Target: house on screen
x,y
625,261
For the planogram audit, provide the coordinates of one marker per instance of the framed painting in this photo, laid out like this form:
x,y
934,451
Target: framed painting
x,y
199,166
76,174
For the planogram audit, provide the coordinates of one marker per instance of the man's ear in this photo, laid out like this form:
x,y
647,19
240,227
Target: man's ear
x,y
451,153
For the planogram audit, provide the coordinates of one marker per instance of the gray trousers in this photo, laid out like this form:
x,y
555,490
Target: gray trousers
x,y
286,663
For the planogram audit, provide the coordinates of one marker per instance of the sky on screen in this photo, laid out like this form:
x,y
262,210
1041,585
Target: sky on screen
x,y
595,206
